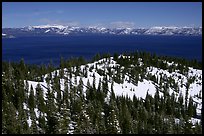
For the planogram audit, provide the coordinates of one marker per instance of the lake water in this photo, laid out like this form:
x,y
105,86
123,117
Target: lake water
x,y
38,50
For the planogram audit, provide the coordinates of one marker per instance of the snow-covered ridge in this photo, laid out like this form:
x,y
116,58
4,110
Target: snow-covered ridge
x,y
129,88
165,27
3,34
50,26
157,30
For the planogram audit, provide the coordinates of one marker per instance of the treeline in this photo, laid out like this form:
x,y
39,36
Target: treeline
x,y
71,110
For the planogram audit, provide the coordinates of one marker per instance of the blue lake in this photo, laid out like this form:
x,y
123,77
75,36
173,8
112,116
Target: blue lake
x,y
38,50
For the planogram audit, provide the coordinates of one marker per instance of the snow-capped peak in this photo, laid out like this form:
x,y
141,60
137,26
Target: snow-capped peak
x,y
156,27
164,27
50,26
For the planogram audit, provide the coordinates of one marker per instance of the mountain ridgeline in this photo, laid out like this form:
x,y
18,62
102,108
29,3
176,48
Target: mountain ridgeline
x,y
59,30
135,93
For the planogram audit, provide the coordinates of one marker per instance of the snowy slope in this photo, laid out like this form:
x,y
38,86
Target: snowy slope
x,y
130,89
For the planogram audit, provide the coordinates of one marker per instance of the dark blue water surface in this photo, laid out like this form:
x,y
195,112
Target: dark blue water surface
x,y
38,50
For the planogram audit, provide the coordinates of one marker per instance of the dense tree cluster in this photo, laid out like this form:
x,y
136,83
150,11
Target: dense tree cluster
x,y
74,110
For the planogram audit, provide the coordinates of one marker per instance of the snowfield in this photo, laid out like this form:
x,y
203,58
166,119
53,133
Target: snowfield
x,y
128,88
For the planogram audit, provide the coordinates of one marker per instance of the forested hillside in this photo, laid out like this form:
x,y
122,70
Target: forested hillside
x,y
135,93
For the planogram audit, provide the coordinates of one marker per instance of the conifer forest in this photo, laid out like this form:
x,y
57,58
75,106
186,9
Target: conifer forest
x,y
129,93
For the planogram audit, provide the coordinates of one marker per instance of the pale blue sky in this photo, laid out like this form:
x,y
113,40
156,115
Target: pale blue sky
x,y
108,14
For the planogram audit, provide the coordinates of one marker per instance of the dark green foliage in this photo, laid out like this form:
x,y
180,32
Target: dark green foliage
x,y
31,99
52,124
96,57
40,102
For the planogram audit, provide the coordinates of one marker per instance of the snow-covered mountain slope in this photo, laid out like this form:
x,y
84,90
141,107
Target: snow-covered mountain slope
x,y
98,70
49,26
174,31
67,30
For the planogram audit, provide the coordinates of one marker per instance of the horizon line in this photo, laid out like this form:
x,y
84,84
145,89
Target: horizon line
x,y
105,26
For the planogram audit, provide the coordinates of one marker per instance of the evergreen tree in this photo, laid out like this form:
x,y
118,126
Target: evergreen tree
x,y
22,126
33,127
10,117
64,120
157,100
190,107
181,107
41,124
113,122
147,102
31,99
169,109
40,98
52,123
80,89
126,121
84,123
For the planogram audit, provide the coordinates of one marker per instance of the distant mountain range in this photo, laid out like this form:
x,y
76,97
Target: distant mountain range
x,y
54,30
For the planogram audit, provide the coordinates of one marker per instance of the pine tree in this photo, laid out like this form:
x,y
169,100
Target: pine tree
x,y
10,117
126,121
33,127
23,124
85,119
147,102
52,123
80,89
169,109
186,95
40,98
105,86
157,100
99,93
89,92
41,124
101,119
94,82
50,103
57,88
31,99
113,122
64,120
52,120
190,107
181,107
84,122
62,65
112,91
172,103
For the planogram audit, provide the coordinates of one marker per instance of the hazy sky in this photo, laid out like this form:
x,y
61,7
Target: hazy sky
x,y
107,14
